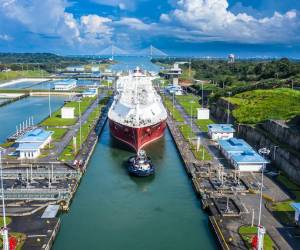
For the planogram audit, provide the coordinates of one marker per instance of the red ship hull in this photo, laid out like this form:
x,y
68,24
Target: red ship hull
x,y
137,138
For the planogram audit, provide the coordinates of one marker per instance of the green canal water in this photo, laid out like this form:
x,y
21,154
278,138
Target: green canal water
x,y
113,211
15,113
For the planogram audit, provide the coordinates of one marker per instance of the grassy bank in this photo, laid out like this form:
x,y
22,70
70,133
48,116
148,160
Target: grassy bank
x,y
173,111
11,75
188,135
202,154
58,133
186,131
202,124
260,105
56,120
190,103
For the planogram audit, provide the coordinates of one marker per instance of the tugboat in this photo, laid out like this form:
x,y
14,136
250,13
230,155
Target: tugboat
x,y
140,165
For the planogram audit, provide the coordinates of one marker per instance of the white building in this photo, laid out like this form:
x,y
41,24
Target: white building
x,y
75,69
241,155
65,85
220,131
91,92
202,114
68,113
30,145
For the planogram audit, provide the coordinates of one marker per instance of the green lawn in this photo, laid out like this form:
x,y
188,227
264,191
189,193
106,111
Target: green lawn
x,y
190,103
202,124
186,131
260,105
8,221
56,119
247,232
58,133
173,111
20,74
202,154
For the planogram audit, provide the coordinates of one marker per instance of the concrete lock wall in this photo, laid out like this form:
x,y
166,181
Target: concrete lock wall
x,y
281,157
283,133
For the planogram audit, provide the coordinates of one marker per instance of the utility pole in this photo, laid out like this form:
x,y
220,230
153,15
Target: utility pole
x,y
260,229
191,118
173,100
274,152
4,230
190,62
202,95
50,113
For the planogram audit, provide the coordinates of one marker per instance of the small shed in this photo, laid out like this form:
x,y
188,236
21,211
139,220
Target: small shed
x,y
68,113
220,131
202,114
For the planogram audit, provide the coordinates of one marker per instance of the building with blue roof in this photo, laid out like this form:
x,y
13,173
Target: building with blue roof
x,y
65,85
233,145
31,143
91,92
241,155
220,131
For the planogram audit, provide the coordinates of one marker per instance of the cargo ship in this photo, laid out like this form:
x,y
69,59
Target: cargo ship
x,y
137,116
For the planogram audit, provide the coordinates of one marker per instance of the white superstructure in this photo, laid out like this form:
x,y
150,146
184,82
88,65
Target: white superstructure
x,y
136,103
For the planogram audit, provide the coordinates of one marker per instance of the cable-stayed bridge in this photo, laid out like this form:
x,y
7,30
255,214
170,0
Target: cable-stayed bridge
x,y
150,51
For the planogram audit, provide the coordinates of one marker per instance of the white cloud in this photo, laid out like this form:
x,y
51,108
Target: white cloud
x,y
95,24
49,17
211,20
5,37
122,4
133,23
96,29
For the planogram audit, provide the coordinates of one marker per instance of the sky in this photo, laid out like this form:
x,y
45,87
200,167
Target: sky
x,y
247,28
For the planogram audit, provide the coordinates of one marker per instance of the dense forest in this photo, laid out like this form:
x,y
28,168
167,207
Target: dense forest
x,y
242,75
46,61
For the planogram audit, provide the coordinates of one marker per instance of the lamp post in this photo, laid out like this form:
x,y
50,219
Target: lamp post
x,y
191,118
79,110
173,101
49,100
274,152
228,108
260,229
4,230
